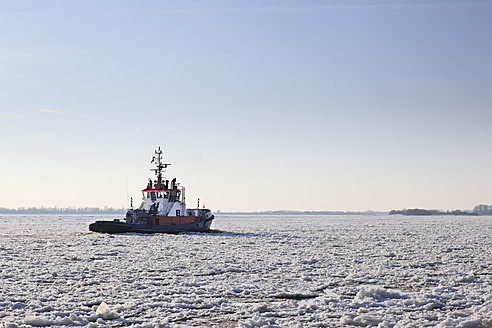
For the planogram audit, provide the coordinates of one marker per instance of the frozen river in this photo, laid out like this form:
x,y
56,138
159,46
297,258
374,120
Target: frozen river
x,y
256,271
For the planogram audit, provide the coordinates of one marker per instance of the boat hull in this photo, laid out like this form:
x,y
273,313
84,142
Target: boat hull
x,y
123,227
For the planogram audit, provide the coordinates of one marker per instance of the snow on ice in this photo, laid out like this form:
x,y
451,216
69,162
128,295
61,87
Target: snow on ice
x,y
253,271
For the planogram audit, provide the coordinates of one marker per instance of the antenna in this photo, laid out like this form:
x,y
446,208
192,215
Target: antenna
x,y
160,167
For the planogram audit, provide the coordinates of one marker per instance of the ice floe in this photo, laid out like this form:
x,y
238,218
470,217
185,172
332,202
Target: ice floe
x,y
252,271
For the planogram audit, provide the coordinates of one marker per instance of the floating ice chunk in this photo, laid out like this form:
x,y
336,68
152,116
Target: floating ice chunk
x,y
47,308
310,261
36,321
379,271
74,317
256,321
361,320
386,324
18,305
10,325
233,269
104,312
64,321
433,305
475,323
468,278
377,293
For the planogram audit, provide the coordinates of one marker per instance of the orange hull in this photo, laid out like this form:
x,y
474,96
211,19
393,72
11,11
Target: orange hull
x,y
166,220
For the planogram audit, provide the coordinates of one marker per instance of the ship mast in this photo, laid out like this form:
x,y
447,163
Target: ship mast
x,y
159,168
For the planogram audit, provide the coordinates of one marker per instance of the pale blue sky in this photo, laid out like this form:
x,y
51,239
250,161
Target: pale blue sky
x,y
304,105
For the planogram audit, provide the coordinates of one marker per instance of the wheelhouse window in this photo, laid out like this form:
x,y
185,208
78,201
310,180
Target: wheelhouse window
x,y
159,194
153,196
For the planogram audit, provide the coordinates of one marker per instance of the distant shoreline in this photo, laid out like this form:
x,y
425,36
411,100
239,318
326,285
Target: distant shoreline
x,y
422,212
68,210
121,211
95,210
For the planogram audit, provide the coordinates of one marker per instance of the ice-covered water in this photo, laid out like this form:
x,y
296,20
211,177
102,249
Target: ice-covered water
x,y
270,271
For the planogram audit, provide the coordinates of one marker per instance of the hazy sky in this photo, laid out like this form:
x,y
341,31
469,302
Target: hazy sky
x,y
258,105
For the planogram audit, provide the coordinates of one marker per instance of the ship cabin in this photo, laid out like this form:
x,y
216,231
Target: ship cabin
x,y
159,200
165,202
162,195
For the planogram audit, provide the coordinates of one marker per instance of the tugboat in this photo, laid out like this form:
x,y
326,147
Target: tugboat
x,y
163,209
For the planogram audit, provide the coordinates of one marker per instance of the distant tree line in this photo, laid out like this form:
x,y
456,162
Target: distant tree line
x,y
61,210
483,209
422,212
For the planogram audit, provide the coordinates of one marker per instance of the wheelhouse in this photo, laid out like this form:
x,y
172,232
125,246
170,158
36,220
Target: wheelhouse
x,y
162,195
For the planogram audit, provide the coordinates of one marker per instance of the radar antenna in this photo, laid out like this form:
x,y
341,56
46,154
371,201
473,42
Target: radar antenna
x,y
160,167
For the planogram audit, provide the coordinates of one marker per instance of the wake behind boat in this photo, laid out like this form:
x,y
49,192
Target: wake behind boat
x,y
163,209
